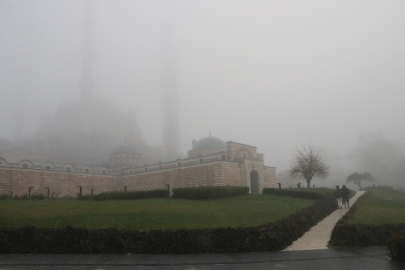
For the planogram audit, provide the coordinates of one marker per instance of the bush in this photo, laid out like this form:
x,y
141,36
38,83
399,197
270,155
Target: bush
x,y
5,197
22,197
396,247
208,192
273,236
310,194
131,195
85,197
363,235
37,197
384,188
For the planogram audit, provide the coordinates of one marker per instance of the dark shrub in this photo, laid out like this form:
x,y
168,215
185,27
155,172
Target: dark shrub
x,y
37,197
379,187
310,194
85,197
5,197
396,247
384,188
131,195
208,192
24,197
363,235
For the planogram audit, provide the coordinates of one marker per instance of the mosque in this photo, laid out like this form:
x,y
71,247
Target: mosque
x,y
84,130
210,162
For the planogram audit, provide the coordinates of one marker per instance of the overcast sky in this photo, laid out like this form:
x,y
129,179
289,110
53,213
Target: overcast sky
x,y
273,74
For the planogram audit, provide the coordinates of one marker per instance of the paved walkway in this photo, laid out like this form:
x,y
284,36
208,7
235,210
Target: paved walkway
x,y
318,236
370,258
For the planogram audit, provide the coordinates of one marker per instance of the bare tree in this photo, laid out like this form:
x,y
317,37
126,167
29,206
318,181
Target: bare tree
x,y
308,164
356,178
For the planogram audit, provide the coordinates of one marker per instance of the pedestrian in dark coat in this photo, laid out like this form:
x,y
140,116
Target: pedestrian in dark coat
x,y
338,195
345,196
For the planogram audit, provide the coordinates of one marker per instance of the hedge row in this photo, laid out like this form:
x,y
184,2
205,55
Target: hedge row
x,y
396,246
126,195
70,240
384,188
22,197
208,192
310,194
363,235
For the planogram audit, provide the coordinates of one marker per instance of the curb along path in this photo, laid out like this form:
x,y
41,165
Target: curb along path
x,y
318,236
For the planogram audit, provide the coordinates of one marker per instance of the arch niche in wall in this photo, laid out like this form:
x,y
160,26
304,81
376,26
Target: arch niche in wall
x,y
254,182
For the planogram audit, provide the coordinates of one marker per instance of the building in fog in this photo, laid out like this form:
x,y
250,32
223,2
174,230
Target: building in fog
x,y
210,162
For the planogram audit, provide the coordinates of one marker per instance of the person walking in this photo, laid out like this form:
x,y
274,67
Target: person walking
x,y
338,195
345,196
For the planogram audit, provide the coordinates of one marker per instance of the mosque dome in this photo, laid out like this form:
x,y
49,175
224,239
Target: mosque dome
x,y
124,149
103,162
210,142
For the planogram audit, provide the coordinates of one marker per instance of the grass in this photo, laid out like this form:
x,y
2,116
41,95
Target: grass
x,y
161,213
380,207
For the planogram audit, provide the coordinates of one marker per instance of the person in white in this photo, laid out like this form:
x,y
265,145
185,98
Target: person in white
x,y
338,195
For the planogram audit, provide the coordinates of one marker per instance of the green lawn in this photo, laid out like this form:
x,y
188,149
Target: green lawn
x,y
163,213
379,208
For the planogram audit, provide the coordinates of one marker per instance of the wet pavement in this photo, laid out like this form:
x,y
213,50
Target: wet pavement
x,y
370,258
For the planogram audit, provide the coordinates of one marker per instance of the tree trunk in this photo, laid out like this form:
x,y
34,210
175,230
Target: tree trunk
x,y
308,183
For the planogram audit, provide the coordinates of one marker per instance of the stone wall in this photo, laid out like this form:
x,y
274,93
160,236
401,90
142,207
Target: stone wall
x,y
216,173
236,151
269,177
17,181
235,167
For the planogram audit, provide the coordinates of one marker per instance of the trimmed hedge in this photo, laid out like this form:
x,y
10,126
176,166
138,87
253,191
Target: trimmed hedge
x,y
363,235
379,187
384,188
126,195
310,194
396,247
208,192
22,197
5,197
273,236
85,197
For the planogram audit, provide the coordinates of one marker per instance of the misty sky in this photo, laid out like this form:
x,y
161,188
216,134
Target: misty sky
x,y
273,74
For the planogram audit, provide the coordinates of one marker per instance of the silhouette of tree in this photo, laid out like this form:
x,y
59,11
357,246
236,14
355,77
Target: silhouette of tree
x,y
308,164
381,157
356,178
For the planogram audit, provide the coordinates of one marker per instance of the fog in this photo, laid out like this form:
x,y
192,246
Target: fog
x,y
273,74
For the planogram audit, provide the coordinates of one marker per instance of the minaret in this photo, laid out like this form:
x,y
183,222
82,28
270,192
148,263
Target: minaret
x,y
87,79
170,102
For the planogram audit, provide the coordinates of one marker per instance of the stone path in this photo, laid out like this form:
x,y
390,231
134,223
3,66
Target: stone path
x,y
318,236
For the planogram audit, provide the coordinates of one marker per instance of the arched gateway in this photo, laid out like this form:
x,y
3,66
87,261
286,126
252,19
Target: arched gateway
x,y
254,182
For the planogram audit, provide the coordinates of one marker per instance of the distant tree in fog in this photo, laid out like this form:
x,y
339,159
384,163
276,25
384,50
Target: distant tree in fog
x,y
307,164
356,178
384,159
